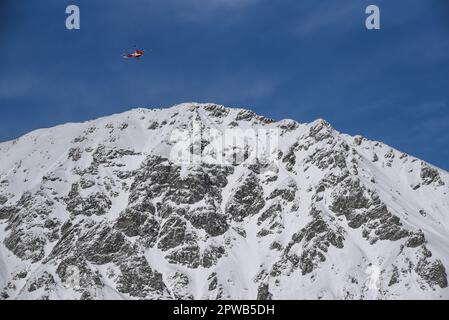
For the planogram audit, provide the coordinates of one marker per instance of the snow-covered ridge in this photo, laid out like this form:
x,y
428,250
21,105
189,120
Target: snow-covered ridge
x,y
100,210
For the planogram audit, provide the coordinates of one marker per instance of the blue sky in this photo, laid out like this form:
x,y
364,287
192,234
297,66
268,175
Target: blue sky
x,y
284,59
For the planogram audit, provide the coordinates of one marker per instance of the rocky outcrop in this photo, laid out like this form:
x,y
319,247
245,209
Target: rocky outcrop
x,y
247,199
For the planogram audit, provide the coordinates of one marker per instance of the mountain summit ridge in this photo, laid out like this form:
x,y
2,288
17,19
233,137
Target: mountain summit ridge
x,y
106,209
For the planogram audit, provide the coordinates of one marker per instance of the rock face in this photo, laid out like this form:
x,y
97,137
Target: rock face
x,y
158,204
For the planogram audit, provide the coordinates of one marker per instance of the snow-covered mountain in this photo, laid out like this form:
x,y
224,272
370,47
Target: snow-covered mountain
x,y
106,210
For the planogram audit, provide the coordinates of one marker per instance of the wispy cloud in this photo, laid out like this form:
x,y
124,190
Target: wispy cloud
x,y
200,10
330,16
238,89
17,86
181,10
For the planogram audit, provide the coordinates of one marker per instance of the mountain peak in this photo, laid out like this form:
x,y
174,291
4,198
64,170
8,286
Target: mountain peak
x,y
133,205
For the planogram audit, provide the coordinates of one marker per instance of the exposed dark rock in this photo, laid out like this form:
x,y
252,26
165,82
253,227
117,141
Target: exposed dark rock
x,y
430,175
138,279
263,292
289,125
213,281
315,240
276,246
286,194
7,212
363,208
86,183
173,233
75,273
325,158
321,130
131,222
153,126
102,245
94,204
188,256
423,212
21,274
139,221
213,223
3,200
247,200
179,283
433,273
75,154
290,158
211,256
245,115
415,239
270,212
44,281
26,245
394,276
263,233
217,111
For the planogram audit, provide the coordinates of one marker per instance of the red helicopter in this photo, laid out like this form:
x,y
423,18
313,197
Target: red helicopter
x,y
137,54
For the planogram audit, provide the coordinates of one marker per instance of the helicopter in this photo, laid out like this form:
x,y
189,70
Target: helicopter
x,y
136,54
